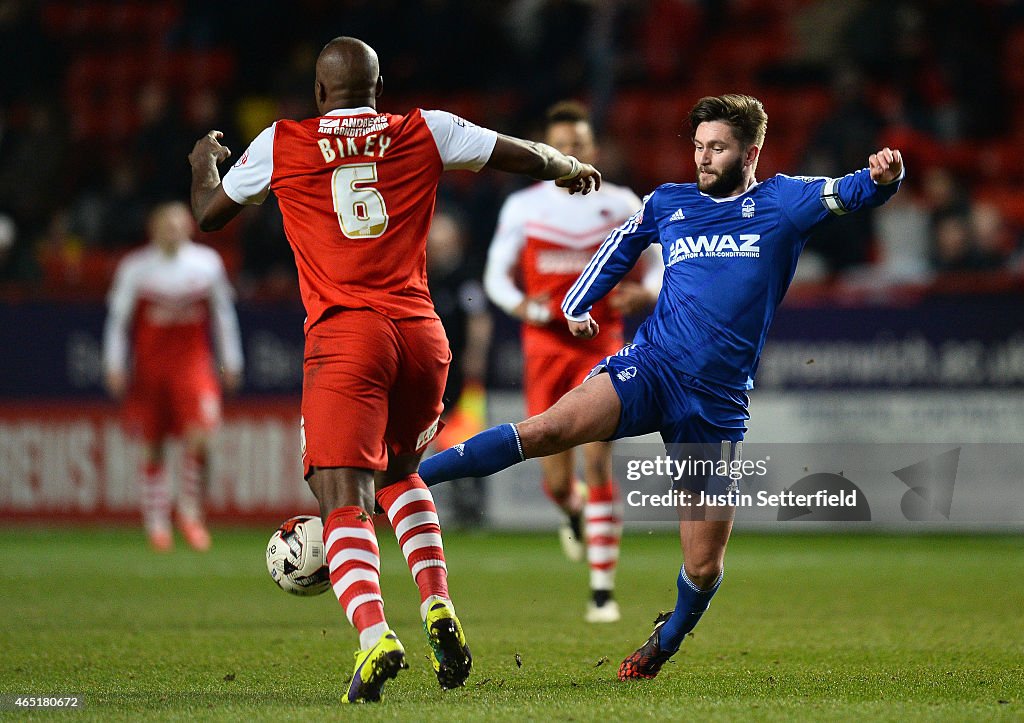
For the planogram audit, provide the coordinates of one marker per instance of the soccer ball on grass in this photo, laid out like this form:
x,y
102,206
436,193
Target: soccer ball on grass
x,y
296,558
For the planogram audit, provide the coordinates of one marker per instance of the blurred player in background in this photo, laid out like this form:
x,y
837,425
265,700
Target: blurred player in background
x,y
356,190
164,300
545,237
730,246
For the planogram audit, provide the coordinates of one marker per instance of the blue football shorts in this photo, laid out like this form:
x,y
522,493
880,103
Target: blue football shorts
x,y
696,419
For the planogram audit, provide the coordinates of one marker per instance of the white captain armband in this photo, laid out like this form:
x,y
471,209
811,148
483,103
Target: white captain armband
x,y
830,197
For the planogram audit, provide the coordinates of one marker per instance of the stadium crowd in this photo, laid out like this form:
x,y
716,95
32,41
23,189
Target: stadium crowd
x,y
102,100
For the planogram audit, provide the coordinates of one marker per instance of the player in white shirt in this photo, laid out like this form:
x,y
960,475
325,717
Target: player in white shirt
x,y
165,300
544,240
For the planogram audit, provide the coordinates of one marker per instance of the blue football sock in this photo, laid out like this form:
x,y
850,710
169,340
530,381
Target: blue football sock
x,y
690,605
479,456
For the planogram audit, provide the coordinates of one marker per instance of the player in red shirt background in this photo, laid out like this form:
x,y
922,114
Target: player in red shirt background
x,y
165,300
544,239
357,189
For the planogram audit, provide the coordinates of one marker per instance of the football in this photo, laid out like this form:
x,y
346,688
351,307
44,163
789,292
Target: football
x,y
295,556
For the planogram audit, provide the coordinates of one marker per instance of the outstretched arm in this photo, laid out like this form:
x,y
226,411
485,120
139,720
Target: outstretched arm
x,y
809,201
615,257
463,145
211,207
541,161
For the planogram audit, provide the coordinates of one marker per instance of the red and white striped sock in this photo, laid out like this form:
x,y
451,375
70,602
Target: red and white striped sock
x,y
604,531
570,500
410,507
156,499
354,563
190,497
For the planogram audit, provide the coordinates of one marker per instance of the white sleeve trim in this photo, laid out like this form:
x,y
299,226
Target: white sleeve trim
x,y
248,181
578,319
462,145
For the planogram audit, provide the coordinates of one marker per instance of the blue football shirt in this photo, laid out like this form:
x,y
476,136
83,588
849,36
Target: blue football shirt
x,y
728,263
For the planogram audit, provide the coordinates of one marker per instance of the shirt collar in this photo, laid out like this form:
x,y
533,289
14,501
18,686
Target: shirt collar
x,y
363,110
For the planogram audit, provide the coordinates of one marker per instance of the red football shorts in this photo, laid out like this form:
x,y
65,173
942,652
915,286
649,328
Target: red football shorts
x,y
169,406
372,386
548,376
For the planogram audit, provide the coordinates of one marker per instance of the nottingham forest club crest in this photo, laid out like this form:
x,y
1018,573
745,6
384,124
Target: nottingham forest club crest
x,y
747,208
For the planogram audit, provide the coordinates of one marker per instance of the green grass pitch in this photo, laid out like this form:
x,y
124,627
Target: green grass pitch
x,y
804,627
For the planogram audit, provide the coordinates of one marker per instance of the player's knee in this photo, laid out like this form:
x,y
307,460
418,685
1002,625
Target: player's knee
x,y
703,573
542,436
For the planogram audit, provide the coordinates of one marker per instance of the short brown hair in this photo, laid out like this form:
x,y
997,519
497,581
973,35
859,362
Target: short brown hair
x,y
743,112
566,111
162,208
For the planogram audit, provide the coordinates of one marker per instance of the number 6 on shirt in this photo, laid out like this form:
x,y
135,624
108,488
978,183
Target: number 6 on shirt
x,y
361,210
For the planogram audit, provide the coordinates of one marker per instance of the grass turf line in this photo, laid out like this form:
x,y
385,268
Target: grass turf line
x,y
884,627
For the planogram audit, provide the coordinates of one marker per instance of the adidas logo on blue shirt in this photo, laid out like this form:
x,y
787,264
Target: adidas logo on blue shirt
x,y
677,216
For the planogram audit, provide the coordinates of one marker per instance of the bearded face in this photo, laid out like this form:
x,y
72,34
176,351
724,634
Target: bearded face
x,y
720,181
723,167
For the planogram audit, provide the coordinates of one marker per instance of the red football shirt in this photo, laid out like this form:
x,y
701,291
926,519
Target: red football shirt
x,y
162,308
545,238
356,190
